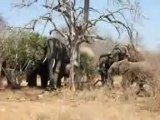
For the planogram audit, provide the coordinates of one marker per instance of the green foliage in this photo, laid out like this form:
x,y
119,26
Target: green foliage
x,y
23,49
87,66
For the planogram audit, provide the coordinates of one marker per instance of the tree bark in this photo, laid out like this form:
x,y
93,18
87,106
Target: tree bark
x,y
72,48
86,10
72,70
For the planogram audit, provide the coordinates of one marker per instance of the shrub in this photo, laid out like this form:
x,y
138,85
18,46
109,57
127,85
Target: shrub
x,y
22,49
87,67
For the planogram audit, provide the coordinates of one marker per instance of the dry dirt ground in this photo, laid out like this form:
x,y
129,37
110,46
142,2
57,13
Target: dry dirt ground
x,y
97,104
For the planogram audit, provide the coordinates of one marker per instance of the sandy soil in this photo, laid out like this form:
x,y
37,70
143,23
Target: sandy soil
x,y
98,104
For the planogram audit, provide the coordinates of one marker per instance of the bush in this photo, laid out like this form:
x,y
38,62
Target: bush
x,y
87,66
22,49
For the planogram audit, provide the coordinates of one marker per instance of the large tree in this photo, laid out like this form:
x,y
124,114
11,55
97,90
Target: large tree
x,y
78,30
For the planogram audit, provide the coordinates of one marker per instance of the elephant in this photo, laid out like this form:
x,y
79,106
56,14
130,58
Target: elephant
x,y
132,72
58,59
56,65
136,54
42,70
52,68
118,53
105,62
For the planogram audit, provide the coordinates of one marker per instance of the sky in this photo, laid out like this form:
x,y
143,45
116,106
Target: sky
x,y
148,28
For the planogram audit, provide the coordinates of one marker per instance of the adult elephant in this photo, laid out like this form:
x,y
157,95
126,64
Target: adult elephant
x,y
118,53
53,68
58,62
140,73
105,61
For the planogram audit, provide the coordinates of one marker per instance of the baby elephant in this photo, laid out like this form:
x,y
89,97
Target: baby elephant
x,y
131,72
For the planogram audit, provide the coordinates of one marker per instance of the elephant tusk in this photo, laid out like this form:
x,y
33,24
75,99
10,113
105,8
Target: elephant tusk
x,y
53,63
45,59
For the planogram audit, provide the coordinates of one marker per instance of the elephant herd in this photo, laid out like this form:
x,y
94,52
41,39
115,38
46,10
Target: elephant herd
x,y
138,73
118,53
127,61
55,65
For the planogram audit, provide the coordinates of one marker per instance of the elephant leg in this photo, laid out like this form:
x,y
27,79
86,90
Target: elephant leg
x,y
52,74
32,79
110,81
103,79
8,82
53,81
59,81
44,81
125,83
55,76
65,81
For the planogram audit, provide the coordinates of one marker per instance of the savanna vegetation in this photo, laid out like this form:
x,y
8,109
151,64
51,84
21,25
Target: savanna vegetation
x,y
96,78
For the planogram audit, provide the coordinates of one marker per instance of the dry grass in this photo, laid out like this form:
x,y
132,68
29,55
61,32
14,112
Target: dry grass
x,y
151,104
98,103
153,59
42,116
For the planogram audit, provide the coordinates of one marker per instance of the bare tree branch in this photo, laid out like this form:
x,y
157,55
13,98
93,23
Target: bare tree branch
x,y
24,3
57,30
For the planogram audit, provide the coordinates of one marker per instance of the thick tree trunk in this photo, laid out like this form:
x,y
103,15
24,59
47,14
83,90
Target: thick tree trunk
x,y
72,70
72,48
86,10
